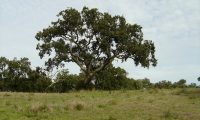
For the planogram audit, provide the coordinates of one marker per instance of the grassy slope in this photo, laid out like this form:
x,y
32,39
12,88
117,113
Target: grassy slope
x,y
100,105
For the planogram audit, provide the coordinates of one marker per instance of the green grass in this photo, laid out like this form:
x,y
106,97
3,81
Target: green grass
x,y
153,104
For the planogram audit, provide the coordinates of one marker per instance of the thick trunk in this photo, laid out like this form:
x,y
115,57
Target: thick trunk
x,y
88,78
90,73
87,81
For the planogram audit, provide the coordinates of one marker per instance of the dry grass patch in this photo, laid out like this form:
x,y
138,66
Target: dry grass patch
x,y
152,104
37,107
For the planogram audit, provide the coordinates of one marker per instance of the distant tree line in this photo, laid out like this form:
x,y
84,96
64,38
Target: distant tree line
x,y
17,75
112,78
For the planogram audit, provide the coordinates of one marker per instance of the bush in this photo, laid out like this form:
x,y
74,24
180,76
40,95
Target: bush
x,y
79,106
65,82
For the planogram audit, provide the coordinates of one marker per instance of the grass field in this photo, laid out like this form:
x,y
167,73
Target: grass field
x,y
153,104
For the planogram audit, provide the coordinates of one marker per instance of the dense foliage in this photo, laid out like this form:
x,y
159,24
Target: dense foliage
x,y
17,75
65,82
111,78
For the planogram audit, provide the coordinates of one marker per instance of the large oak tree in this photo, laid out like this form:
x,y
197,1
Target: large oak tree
x,y
92,40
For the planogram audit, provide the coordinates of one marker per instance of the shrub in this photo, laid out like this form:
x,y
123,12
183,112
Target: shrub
x,y
112,102
101,106
7,94
111,118
7,103
35,108
79,106
167,114
76,106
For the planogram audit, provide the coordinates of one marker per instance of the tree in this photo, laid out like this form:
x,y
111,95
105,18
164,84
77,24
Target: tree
x,y
146,83
132,84
3,67
181,83
65,82
198,78
163,84
92,40
17,75
38,80
16,72
111,78
192,85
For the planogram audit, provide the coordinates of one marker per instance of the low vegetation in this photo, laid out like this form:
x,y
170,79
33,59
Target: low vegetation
x,y
148,104
18,76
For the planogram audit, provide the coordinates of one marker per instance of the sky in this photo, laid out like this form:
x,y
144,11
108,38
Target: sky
x,y
173,26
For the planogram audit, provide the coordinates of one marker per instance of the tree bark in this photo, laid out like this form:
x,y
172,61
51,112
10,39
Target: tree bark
x,y
87,81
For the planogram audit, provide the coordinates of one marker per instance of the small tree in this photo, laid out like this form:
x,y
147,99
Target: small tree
x,y
17,75
111,78
192,85
198,78
146,83
92,40
163,84
3,67
65,81
181,83
38,80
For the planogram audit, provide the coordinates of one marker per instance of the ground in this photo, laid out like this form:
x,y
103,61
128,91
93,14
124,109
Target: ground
x,y
152,104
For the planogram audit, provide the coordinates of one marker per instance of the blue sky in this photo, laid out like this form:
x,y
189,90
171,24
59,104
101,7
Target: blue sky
x,y
173,25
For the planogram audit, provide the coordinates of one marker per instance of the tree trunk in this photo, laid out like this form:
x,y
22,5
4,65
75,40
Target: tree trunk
x,y
87,80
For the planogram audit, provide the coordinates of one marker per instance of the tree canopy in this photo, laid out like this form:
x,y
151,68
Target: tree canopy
x,y
92,40
111,78
17,75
